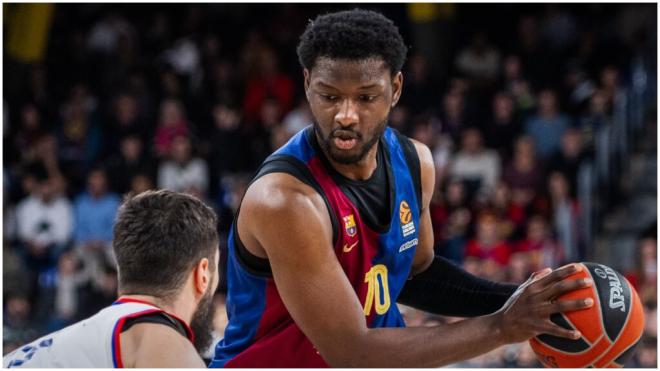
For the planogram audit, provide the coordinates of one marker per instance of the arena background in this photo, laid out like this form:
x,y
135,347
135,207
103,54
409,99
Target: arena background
x,y
541,119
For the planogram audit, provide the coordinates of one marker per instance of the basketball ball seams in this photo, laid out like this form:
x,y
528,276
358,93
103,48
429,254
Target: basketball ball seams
x,y
605,354
596,299
563,351
578,346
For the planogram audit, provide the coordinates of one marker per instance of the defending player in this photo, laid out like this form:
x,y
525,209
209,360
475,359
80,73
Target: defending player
x,y
166,246
337,220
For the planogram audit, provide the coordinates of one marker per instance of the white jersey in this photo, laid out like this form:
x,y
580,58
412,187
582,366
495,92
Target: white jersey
x,y
93,342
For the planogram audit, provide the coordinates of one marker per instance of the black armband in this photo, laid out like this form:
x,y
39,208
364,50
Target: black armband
x,y
445,288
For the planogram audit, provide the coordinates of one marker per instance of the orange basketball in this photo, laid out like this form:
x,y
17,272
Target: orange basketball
x,y
610,329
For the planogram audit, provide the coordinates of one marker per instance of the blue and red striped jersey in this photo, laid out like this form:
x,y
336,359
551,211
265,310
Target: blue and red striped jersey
x,y
261,333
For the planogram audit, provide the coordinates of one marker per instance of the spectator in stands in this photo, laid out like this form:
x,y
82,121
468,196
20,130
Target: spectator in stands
x,y
453,116
30,130
503,126
548,125
480,61
565,214
570,157
95,211
141,183
125,122
515,83
489,248
524,174
182,171
98,292
17,326
579,89
645,273
131,160
538,247
228,143
511,215
171,124
44,221
268,82
48,156
223,82
597,116
609,84
476,165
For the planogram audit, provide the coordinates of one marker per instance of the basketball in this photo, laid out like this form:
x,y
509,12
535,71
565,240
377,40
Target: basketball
x,y
610,329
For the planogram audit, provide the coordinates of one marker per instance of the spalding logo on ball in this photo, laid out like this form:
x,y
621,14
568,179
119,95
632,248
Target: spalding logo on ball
x,y
611,328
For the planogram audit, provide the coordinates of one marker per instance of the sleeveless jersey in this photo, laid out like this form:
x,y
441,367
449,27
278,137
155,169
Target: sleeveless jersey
x,y
90,343
260,332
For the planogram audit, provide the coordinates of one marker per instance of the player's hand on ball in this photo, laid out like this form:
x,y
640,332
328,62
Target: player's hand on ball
x,y
527,313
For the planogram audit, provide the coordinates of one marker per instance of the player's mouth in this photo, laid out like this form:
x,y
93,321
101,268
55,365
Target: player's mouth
x,y
345,143
345,140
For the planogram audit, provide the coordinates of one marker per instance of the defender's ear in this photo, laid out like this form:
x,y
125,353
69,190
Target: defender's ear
x,y
202,276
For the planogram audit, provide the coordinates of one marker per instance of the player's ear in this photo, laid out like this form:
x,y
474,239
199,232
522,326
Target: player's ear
x,y
397,87
306,82
202,276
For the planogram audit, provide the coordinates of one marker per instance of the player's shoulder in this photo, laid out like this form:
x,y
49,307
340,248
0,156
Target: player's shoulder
x,y
427,170
279,192
152,341
423,152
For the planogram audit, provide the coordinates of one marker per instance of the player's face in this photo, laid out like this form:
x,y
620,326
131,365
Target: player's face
x,y
350,101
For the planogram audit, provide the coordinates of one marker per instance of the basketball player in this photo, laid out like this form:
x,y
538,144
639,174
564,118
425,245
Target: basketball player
x,y
337,220
166,246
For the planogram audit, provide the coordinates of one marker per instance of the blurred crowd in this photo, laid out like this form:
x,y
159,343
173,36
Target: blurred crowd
x,y
192,98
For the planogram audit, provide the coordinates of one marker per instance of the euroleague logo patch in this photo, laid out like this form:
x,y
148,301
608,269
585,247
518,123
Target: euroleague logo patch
x,y
349,225
405,217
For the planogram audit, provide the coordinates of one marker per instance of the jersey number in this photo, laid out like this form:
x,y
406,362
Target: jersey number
x,y
378,293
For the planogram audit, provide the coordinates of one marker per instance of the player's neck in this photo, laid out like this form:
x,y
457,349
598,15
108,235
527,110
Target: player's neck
x,y
361,170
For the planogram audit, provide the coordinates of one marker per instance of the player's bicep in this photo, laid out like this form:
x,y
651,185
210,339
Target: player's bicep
x,y
297,237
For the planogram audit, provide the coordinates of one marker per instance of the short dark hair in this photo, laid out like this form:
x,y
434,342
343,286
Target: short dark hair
x,y
353,35
159,236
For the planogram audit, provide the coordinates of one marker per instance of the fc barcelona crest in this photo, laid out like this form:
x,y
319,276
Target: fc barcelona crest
x,y
349,225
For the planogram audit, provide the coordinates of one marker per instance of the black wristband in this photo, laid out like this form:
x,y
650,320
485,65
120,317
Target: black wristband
x,y
445,288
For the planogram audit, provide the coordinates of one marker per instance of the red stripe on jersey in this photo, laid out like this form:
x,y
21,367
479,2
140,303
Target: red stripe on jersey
x,y
280,342
357,250
189,332
116,339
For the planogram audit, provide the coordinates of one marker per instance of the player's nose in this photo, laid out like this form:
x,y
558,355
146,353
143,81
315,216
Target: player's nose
x,y
347,114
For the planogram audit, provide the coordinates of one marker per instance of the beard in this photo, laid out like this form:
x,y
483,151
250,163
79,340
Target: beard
x,y
202,322
356,154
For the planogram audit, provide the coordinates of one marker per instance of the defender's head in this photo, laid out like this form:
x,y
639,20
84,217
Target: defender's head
x,y
352,67
166,244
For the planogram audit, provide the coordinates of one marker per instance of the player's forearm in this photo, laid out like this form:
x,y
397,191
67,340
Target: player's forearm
x,y
421,346
471,296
